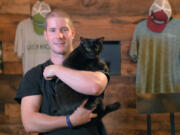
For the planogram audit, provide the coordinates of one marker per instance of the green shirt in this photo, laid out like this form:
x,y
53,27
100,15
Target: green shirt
x,y
158,58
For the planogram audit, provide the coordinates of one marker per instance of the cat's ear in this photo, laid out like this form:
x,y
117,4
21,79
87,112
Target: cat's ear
x,y
82,38
101,39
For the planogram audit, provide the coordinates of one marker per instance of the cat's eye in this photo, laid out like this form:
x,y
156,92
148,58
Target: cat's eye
x,y
88,49
96,49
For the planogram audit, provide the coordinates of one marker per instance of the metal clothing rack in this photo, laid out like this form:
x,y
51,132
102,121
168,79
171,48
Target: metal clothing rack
x,y
171,122
157,103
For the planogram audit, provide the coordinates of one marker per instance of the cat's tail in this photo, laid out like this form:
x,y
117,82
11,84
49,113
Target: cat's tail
x,y
110,108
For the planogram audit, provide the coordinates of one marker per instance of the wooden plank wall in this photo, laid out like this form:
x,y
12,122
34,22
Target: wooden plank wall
x,y
113,19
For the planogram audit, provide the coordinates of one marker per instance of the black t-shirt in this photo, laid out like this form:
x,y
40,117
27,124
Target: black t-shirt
x,y
33,83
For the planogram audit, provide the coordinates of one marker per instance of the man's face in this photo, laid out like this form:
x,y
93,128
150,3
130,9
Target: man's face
x,y
59,35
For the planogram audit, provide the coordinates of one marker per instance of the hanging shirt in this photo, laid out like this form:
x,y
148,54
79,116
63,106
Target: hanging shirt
x,y
158,58
31,47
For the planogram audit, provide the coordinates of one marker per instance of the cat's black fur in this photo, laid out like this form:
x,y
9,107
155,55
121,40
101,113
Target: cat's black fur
x,y
84,57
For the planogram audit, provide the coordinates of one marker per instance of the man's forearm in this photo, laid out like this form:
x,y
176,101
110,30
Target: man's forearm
x,y
34,121
39,122
86,82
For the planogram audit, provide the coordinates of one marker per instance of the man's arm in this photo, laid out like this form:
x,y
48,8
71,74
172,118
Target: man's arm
x,y
86,82
34,121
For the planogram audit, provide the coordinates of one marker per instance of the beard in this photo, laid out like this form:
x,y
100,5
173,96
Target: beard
x,y
63,50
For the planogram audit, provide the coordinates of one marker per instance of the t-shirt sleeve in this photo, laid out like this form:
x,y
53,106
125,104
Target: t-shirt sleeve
x,y
104,69
108,77
107,74
134,46
19,40
30,84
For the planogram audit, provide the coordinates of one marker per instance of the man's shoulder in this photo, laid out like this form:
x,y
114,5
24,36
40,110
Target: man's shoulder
x,y
39,68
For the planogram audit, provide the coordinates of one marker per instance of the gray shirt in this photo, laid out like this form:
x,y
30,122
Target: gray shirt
x,y
158,58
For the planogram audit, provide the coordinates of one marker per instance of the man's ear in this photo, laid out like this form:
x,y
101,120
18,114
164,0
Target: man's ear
x,y
73,33
45,34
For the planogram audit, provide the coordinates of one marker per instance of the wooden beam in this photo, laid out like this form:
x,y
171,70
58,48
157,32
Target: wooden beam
x,y
15,6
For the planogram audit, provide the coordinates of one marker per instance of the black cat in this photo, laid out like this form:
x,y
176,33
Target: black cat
x,y
84,57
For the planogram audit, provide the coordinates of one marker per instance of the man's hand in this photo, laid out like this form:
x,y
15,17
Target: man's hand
x,y
49,72
82,115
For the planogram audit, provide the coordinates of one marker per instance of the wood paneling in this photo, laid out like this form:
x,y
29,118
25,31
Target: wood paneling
x,y
8,53
12,68
107,7
8,26
15,6
11,18
108,27
7,32
101,7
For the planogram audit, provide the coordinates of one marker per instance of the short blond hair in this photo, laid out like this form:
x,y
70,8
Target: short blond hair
x,y
58,13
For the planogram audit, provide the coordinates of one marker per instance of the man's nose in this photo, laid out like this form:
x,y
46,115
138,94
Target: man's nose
x,y
60,34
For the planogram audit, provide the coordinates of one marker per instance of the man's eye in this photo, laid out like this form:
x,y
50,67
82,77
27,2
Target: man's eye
x,y
52,30
65,29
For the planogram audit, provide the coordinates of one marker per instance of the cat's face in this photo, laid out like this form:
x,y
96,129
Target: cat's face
x,y
92,47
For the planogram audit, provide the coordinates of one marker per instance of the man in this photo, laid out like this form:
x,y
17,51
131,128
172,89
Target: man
x,y
36,93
